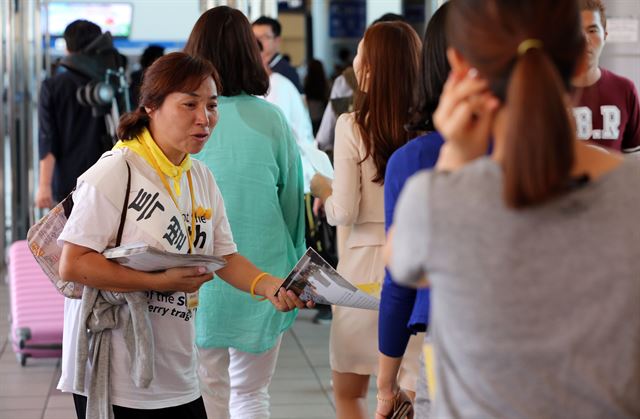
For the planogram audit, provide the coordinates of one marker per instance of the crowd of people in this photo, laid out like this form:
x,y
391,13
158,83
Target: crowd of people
x,y
481,190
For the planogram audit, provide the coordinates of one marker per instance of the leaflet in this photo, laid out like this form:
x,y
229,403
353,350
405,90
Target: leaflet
x,y
318,159
314,279
143,257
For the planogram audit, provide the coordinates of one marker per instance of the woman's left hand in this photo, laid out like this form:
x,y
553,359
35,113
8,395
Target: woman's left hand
x,y
321,187
286,300
464,118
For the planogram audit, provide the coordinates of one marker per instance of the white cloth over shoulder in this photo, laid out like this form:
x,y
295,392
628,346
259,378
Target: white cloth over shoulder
x,y
326,132
285,96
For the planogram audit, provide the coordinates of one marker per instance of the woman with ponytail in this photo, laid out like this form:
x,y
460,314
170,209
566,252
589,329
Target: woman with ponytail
x,y
530,315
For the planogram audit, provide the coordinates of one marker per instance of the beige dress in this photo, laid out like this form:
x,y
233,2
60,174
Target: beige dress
x,y
358,203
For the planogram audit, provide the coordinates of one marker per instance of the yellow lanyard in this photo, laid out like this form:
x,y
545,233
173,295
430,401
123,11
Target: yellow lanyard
x,y
173,198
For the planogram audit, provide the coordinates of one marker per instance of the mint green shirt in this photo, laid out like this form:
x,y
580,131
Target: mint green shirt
x,y
254,158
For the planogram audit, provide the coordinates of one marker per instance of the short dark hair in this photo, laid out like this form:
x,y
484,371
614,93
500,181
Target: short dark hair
x,y
150,54
434,70
389,17
175,72
223,36
315,84
595,6
80,33
276,28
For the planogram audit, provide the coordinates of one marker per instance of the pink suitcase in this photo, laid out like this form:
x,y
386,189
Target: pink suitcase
x,y
37,309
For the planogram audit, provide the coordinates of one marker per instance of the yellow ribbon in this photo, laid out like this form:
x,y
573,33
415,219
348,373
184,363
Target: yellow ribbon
x,y
144,146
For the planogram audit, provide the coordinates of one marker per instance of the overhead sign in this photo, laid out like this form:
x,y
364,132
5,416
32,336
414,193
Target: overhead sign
x,y
347,18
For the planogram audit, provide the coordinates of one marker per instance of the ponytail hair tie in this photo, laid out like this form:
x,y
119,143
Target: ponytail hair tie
x,y
528,44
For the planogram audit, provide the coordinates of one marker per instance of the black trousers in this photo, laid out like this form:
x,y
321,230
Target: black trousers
x,y
192,410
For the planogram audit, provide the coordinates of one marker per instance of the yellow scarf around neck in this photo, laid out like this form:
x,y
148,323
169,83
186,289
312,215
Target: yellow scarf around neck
x,y
144,146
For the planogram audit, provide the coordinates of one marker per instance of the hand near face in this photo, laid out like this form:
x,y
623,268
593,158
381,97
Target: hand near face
x,y
464,117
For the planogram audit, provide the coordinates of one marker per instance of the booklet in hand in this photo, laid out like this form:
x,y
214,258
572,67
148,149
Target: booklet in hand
x,y
146,258
314,279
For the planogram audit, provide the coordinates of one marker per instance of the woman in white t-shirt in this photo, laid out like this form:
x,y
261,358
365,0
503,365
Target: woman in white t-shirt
x,y
174,205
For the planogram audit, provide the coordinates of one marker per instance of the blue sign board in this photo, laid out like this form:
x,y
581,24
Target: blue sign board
x,y
347,18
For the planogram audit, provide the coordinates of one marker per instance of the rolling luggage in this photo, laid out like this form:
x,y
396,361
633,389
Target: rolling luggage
x,y
37,309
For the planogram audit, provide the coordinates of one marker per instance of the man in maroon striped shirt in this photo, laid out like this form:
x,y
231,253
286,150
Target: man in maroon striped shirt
x,y
608,111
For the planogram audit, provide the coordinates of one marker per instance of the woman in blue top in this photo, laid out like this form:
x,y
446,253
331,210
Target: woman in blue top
x,y
405,311
256,162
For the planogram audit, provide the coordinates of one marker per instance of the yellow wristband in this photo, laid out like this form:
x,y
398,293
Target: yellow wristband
x,y
253,286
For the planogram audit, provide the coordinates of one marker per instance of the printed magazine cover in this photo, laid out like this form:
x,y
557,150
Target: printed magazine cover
x,y
314,279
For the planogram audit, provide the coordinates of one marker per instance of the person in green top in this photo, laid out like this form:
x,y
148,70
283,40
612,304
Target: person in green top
x,y
254,158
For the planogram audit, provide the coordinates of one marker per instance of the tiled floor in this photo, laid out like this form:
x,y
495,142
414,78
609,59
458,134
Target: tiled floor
x,y
301,387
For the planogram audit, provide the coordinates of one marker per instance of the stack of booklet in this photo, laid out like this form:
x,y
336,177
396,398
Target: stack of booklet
x,y
146,258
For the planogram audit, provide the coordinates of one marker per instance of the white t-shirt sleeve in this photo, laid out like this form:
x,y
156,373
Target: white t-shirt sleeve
x,y
94,220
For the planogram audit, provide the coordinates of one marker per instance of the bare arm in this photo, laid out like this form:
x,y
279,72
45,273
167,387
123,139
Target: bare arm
x,y
387,375
387,383
44,196
86,266
240,273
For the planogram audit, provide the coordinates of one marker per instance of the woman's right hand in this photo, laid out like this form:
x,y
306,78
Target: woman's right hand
x,y
320,187
188,279
464,118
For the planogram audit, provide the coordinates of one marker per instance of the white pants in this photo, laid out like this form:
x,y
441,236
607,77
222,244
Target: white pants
x,y
235,384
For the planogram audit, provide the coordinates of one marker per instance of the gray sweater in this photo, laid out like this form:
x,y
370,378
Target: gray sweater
x,y
535,313
100,312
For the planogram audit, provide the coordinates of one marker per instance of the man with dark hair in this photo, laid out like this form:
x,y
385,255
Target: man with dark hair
x,y
80,33
268,31
149,55
608,111
70,138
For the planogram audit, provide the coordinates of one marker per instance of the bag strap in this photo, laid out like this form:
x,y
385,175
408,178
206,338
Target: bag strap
x,y
123,215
